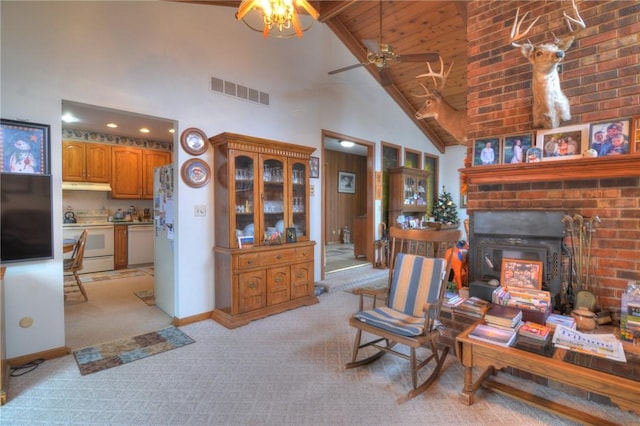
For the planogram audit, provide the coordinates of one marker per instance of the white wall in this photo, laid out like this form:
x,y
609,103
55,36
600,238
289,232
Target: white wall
x,y
156,58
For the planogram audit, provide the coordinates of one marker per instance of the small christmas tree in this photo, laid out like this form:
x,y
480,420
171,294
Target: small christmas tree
x,y
445,210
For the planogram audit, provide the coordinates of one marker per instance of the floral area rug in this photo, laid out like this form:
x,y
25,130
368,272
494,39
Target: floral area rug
x,y
147,296
122,351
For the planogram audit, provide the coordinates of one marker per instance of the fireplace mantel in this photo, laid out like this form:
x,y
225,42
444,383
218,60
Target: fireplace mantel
x,y
577,169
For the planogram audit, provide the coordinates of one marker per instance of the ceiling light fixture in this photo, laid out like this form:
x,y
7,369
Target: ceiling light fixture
x,y
69,118
112,125
276,15
346,144
144,130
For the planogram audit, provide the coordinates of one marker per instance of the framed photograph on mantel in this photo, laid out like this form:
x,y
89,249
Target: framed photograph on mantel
x,y
610,137
521,273
486,151
562,143
25,147
515,148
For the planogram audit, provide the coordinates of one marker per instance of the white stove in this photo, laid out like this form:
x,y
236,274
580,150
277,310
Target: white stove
x,y
99,249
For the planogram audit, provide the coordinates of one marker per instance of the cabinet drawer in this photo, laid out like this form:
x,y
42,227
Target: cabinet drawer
x,y
248,260
301,280
251,291
304,253
278,285
277,257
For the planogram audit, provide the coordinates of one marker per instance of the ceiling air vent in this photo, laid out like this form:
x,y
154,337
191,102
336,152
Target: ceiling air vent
x,y
230,88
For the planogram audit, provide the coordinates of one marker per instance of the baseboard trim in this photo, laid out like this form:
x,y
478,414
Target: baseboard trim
x,y
48,354
177,322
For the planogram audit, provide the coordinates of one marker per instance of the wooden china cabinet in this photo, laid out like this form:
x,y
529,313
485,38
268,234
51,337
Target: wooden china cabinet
x,y
407,194
264,260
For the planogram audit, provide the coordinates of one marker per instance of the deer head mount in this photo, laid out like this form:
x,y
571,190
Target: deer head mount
x,y
550,105
451,120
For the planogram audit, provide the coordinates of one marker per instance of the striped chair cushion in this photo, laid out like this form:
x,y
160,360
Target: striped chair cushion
x,y
416,280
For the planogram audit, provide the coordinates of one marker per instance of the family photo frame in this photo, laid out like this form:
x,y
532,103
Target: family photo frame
x,y
515,148
611,137
486,151
521,273
562,143
24,147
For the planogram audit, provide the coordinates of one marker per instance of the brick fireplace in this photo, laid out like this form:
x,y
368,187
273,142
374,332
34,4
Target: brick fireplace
x,y
600,76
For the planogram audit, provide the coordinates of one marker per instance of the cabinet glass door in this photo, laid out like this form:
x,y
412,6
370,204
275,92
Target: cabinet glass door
x,y
273,200
421,192
245,198
409,190
299,200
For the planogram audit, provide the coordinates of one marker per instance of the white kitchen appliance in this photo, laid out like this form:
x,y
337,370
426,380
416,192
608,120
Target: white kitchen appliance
x,y
99,249
140,244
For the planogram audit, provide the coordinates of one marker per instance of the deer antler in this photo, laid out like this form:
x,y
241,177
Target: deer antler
x,y
566,42
515,30
442,76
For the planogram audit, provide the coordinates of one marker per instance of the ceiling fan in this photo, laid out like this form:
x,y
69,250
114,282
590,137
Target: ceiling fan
x,y
382,55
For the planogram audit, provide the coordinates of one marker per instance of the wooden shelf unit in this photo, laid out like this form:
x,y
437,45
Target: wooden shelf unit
x,y
261,190
407,194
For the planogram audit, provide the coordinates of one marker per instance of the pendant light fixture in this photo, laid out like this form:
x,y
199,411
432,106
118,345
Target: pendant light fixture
x,y
279,17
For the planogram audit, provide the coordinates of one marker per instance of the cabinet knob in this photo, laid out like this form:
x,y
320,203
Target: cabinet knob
x,y
252,285
250,261
278,279
279,256
300,275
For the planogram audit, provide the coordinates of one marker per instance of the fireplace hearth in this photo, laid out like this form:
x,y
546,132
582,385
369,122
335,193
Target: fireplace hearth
x,y
527,235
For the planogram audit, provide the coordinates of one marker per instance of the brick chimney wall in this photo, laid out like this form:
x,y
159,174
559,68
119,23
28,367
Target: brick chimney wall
x,y
600,76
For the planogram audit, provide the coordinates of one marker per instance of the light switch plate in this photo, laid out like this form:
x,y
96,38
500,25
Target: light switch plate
x,y
199,210
312,190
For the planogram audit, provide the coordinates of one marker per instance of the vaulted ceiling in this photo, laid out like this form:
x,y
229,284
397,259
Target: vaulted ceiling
x,y
410,27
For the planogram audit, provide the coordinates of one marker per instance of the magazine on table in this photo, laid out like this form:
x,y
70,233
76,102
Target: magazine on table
x,y
602,345
494,335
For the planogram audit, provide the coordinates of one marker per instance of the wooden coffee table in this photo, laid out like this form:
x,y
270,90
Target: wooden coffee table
x,y
482,360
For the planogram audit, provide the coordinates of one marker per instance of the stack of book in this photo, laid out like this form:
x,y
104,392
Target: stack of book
x,y
535,331
496,336
506,317
556,319
452,301
473,306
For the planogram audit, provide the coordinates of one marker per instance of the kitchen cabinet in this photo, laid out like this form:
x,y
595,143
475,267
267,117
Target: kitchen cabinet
x,y
126,179
86,162
261,195
407,194
150,160
120,246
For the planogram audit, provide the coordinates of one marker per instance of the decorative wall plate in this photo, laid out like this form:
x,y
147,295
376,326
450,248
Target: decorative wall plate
x,y
195,173
194,141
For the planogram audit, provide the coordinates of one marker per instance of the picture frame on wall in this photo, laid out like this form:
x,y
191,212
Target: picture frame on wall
x,y
562,143
25,147
612,137
486,152
346,182
314,167
515,147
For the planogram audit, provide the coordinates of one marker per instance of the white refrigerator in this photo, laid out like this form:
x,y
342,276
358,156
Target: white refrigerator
x,y
163,215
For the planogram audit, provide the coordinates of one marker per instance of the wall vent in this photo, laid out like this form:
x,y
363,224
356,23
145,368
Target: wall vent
x,y
230,88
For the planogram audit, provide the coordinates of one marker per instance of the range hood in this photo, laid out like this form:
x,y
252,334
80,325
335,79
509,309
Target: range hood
x,y
86,186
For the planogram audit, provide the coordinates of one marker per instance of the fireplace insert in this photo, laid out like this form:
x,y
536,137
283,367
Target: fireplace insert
x,y
527,235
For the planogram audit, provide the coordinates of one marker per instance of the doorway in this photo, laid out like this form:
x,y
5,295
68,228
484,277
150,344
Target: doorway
x,y
348,212
114,310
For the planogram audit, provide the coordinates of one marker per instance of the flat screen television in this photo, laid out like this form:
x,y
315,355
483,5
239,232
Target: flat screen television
x,y
26,219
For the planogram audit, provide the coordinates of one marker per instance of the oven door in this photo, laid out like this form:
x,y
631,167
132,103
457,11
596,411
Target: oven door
x,y
99,239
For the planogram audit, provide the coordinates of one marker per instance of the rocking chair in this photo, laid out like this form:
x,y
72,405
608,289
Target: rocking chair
x,y
417,281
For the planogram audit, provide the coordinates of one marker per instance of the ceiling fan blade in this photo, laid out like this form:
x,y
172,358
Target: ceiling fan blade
x,y
418,57
372,45
350,67
385,77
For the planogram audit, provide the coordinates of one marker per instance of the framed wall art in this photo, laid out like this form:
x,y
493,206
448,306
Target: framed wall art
x,y
347,182
314,167
562,143
194,141
24,147
195,173
521,273
486,152
610,137
515,148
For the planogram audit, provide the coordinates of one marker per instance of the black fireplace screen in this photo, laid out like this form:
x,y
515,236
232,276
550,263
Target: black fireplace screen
x,y
527,235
